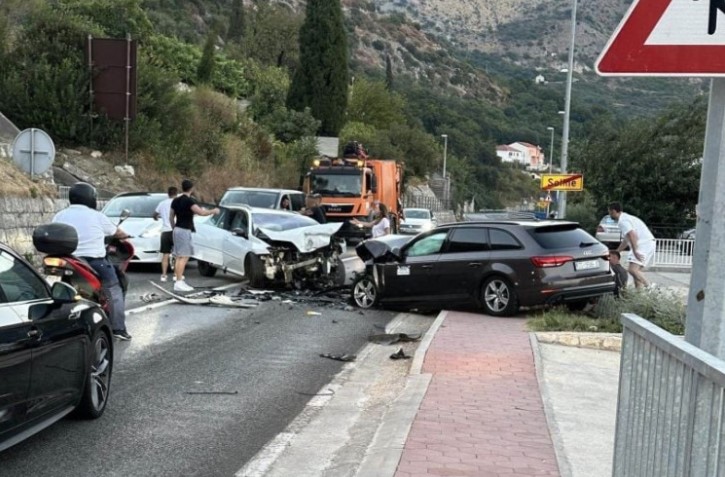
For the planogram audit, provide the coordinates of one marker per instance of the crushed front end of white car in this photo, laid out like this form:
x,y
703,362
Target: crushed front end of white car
x,y
305,253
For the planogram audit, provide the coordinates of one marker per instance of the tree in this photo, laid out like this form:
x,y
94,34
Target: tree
x,y
371,103
237,22
205,70
389,79
320,82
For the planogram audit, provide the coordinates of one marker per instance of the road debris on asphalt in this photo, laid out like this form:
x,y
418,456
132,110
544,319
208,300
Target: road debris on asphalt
x,y
152,297
210,297
337,297
213,392
400,354
313,313
339,357
392,338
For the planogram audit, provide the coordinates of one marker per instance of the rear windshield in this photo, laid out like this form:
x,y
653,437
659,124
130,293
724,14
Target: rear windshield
x,y
137,205
562,237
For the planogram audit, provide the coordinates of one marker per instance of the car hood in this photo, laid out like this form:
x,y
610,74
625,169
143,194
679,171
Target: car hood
x,y
305,239
135,226
381,249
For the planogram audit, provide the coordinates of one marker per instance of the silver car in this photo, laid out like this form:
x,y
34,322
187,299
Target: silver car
x,y
608,232
416,221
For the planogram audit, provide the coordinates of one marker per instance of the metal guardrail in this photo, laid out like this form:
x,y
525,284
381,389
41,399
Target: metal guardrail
x,y
671,406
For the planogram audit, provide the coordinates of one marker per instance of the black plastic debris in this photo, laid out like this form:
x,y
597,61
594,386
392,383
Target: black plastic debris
x,y
400,354
392,338
339,357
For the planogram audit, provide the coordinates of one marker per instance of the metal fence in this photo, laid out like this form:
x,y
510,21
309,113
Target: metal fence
x,y
674,253
424,202
671,406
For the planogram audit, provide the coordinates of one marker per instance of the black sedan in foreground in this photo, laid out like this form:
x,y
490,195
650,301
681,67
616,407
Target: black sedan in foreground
x,y
500,265
56,352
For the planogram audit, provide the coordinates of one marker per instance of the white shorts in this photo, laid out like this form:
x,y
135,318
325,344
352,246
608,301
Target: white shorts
x,y
648,250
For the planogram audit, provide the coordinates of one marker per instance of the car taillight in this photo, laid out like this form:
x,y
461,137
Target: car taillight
x,y
551,261
600,229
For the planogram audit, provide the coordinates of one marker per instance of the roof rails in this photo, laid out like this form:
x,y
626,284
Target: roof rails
x,y
499,215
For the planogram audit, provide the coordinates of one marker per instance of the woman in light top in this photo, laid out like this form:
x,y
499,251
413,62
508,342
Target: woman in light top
x,y
380,224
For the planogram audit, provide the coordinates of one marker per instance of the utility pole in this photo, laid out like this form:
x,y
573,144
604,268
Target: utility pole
x,y
445,177
551,148
567,111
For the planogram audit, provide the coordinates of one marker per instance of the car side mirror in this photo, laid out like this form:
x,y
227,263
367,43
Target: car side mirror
x,y
239,232
63,293
125,213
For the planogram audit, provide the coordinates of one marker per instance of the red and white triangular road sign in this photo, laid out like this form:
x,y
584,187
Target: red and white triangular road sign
x,y
667,38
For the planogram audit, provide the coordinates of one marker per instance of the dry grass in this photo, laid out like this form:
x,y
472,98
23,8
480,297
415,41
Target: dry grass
x,y
15,183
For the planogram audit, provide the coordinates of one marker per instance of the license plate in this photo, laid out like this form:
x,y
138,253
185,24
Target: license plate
x,y
403,270
586,265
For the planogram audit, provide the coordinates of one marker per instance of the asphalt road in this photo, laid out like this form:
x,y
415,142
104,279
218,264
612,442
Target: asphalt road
x,y
267,358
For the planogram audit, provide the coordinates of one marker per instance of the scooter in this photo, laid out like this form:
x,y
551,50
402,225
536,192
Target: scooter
x,y
59,241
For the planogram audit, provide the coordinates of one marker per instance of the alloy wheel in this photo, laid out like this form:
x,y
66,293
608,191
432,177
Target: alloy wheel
x,y
497,295
100,373
365,293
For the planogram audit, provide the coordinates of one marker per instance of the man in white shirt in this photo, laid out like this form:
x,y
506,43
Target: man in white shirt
x,y
162,212
93,227
638,238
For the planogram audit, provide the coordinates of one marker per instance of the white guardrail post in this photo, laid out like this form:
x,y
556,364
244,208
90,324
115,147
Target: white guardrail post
x,y
671,406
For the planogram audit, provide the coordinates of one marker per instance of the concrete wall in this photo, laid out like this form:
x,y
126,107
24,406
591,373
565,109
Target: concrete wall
x,y
20,216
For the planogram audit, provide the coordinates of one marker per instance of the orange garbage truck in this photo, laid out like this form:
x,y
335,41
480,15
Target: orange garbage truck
x,y
351,184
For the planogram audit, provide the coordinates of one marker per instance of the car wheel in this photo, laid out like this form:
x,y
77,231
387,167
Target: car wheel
x,y
206,269
498,297
98,380
254,270
365,292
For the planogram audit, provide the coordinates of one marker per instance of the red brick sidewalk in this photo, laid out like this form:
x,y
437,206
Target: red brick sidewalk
x,y
482,414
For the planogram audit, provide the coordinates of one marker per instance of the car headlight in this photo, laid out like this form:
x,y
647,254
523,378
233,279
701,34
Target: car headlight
x,y
153,231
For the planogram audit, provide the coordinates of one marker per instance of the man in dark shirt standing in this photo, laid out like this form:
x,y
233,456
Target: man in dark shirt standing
x,y
183,209
313,208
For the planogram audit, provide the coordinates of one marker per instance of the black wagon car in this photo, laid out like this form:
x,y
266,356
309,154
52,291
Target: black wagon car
x,y
500,265
56,352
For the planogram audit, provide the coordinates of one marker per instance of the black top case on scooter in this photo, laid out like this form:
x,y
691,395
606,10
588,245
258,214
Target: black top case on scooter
x,y
55,239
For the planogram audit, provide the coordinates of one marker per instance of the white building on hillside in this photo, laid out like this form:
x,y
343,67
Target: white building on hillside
x,y
510,154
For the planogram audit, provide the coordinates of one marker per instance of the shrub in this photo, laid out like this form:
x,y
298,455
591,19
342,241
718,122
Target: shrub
x,y
663,307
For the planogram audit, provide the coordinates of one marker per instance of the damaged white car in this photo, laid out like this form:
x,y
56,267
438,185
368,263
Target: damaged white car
x,y
267,245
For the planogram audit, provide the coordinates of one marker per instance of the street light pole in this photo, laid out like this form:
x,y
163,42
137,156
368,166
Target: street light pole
x,y
445,178
567,110
551,149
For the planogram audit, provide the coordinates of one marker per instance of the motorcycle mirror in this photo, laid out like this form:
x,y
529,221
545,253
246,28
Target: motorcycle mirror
x,y
125,213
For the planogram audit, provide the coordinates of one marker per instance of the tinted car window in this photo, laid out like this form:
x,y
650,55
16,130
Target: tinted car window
x,y
561,237
428,246
239,221
298,201
18,282
254,198
469,240
502,240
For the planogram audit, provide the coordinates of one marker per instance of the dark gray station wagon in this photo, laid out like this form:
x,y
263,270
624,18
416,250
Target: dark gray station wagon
x,y
499,265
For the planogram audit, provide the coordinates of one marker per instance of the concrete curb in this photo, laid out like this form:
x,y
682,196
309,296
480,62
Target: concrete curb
x,y
562,459
602,341
383,454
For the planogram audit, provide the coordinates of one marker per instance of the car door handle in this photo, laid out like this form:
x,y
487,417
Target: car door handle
x,y
34,334
474,265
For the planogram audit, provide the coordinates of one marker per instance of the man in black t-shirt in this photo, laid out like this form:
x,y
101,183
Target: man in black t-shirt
x,y
313,208
183,209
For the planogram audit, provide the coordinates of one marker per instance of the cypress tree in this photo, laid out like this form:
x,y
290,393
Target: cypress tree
x,y
205,70
320,82
237,22
388,73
